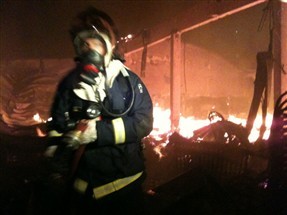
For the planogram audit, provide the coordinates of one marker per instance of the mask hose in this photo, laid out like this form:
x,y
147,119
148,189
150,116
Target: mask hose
x,y
129,107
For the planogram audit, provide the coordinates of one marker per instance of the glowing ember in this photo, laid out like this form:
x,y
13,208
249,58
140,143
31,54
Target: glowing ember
x,y
126,38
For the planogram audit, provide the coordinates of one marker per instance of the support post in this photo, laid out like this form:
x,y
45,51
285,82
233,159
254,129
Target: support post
x,y
280,48
284,46
175,83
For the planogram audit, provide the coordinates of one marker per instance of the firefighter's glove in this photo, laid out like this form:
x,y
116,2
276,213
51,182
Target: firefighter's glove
x,y
84,133
89,134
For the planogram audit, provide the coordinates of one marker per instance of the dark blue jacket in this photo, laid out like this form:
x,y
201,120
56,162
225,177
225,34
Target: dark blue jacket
x,y
104,161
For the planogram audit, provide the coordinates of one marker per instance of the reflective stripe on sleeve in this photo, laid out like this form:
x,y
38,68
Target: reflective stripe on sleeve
x,y
119,130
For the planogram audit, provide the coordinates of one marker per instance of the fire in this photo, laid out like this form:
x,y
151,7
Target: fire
x,y
256,128
161,123
37,118
190,124
40,133
187,125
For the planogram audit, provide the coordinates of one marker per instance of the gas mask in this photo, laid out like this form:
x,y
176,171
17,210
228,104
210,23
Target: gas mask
x,y
93,63
92,57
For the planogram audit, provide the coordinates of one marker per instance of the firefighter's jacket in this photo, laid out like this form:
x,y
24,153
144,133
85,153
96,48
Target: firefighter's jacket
x,y
117,152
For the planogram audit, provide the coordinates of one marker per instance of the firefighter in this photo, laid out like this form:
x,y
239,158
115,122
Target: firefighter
x,y
102,110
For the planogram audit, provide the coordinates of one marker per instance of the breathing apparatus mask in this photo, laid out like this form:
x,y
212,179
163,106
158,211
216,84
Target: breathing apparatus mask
x,y
82,53
92,57
91,60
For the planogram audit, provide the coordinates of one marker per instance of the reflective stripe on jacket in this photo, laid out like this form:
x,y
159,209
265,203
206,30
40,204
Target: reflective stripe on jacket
x,y
117,152
106,189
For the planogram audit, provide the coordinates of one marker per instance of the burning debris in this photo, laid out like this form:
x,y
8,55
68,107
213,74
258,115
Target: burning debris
x,y
219,130
215,129
219,147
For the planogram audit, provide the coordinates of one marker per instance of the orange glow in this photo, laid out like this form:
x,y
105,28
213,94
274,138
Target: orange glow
x,y
187,125
256,128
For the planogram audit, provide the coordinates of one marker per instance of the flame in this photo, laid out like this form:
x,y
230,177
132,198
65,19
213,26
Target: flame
x,y
40,133
187,125
161,123
37,118
254,134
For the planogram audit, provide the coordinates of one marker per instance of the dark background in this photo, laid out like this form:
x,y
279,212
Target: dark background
x,y
39,29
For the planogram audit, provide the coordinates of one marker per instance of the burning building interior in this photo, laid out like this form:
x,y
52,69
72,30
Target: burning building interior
x,y
215,72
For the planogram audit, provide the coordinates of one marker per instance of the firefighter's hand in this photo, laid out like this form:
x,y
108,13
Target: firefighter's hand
x,y
89,134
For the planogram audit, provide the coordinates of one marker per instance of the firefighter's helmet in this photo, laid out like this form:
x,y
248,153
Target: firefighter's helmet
x,y
93,23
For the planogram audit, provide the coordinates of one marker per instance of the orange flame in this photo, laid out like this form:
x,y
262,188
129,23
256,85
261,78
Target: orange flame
x,y
187,125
